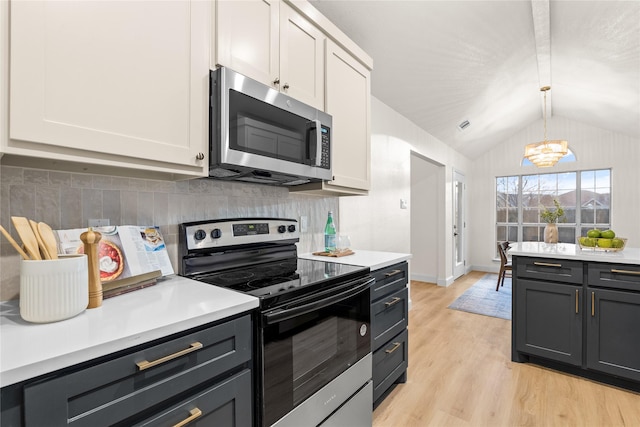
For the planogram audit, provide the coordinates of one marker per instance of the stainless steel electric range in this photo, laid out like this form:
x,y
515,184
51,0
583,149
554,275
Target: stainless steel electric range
x,y
312,339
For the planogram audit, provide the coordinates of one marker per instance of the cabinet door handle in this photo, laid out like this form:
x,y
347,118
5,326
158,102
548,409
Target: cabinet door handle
x,y
193,414
393,301
146,365
286,86
593,304
577,299
396,345
276,82
200,156
392,273
547,264
635,273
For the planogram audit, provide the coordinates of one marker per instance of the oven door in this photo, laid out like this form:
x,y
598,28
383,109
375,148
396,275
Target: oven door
x,y
310,342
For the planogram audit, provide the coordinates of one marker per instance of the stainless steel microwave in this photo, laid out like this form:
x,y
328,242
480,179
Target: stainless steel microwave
x,y
260,135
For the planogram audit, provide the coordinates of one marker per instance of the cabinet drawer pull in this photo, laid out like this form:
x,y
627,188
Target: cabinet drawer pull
x,y
393,301
635,273
577,292
392,273
547,264
193,414
593,304
146,365
396,345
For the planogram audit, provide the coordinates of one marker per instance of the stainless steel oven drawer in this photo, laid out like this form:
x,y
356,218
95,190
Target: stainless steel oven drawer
x,y
389,317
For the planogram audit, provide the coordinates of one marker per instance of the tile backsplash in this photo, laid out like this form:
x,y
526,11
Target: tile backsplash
x,y
69,200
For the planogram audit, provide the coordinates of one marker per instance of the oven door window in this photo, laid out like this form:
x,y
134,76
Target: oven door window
x,y
260,128
305,353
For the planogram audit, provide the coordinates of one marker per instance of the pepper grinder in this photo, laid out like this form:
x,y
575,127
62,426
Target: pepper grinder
x,y
90,239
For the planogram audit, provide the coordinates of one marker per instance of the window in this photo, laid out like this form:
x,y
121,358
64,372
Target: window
x,y
585,197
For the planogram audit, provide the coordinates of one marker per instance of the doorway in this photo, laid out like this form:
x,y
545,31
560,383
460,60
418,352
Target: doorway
x,y
427,200
459,225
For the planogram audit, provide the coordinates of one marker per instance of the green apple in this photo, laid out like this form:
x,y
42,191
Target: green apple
x,y
605,243
588,242
595,233
617,243
608,234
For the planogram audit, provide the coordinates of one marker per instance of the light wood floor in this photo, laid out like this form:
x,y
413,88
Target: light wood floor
x,y
461,374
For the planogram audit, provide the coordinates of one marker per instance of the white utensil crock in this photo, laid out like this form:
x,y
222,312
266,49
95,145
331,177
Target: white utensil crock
x,y
53,290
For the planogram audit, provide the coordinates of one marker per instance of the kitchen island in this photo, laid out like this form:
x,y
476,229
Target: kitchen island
x,y
577,310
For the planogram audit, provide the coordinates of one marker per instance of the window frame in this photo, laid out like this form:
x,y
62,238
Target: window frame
x,y
506,228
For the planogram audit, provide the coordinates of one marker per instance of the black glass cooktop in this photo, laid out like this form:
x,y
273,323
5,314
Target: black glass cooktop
x,y
282,277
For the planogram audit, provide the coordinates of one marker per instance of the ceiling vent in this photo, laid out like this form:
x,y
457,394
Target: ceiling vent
x,y
462,126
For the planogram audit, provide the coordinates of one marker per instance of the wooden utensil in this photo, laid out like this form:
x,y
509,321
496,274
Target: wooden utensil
x,y
91,241
43,249
14,243
49,239
26,235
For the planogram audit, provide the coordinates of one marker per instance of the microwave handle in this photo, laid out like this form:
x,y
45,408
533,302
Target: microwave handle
x,y
279,315
314,142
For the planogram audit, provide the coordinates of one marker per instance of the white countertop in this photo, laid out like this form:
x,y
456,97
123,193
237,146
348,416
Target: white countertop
x,y
173,305
375,260
572,251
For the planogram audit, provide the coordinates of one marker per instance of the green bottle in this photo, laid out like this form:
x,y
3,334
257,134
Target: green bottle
x,y
330,234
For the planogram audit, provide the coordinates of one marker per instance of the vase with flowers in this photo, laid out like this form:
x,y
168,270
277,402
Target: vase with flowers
x,y
551,217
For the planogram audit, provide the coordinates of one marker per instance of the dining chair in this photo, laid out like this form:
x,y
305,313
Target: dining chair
x,y
505,264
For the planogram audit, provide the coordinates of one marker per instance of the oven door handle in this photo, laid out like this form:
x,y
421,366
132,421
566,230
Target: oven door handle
x,y
280,314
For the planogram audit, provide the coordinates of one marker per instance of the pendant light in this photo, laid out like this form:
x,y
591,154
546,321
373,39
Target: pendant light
x,y
546,153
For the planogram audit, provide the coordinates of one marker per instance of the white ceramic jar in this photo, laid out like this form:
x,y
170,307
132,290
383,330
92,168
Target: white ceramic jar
x,y
53,290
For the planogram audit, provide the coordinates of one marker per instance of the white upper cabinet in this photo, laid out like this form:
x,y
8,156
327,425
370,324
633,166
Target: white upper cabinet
x,y
268,41
349,103
116,83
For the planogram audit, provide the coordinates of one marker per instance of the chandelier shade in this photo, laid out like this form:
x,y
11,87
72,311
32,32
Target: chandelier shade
x,y
546,153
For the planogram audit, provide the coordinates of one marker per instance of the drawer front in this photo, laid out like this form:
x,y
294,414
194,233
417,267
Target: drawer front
x,y
225,404
616,276
548,269
389,362
114,390
389,279
389,317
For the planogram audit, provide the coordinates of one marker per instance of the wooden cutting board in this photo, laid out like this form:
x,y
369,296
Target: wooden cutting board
x,y
335,254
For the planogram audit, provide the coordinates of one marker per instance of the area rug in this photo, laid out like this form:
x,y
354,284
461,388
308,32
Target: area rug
x,y
482,298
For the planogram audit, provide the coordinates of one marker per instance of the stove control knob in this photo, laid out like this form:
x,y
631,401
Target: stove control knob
x,y
292,228
200,235
216,233
282,229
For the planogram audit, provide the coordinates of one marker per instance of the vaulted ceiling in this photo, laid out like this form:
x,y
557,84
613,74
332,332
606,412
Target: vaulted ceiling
x,y
440,63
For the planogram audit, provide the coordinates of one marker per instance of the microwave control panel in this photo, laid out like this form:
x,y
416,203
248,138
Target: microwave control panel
x,y
325,160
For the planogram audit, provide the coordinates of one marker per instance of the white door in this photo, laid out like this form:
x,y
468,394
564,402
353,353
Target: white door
x,y
459,224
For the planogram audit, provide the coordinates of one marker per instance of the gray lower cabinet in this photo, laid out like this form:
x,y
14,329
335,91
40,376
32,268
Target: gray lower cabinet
x,y
613,318
199,375
549,320
389,321
580,313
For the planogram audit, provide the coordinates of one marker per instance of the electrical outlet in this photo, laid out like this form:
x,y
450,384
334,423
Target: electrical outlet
x,y
102,222
304,223
403,204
